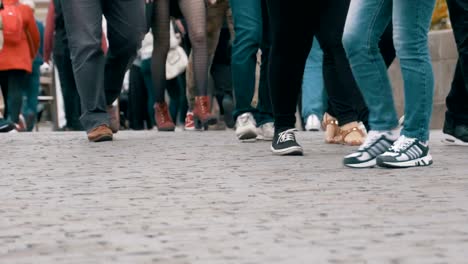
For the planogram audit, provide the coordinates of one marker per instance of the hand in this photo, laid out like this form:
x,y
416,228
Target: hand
x,y
211,2
149,1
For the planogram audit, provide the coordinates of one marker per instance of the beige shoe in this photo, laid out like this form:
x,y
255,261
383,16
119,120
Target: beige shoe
x,y
100,134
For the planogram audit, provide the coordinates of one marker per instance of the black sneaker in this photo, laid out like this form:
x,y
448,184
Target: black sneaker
x,y
406,152
376,144
456,136
6,126
284,143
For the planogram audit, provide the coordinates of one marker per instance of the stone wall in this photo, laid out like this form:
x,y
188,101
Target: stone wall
x,y
444,58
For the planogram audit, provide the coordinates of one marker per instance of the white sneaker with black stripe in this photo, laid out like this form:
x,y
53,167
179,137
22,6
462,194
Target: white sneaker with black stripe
x,y
377,143
284,143
406,152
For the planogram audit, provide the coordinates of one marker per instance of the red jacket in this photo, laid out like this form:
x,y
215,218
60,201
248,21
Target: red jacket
x,y
49,34
20,56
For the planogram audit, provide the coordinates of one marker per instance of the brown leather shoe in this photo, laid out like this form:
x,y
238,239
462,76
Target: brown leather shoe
x,y
163,118
114,116
100,134
202,112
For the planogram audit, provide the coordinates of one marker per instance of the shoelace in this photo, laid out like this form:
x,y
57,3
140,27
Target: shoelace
x,y
287,135
402,144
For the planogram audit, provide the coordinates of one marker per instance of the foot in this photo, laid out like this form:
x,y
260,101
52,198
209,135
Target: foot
x,y
114,116
456,135
353,134
332,130
163,118
266,131
100,134
285,144
228,106
189,123
406,152
6,126
312,123
202,112
246,128
376,143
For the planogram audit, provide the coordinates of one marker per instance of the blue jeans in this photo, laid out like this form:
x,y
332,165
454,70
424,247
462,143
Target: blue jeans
x,y
251,27
314,97
366,22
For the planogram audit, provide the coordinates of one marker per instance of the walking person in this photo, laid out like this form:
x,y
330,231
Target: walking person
x,y
366,22
194,12
98,77
218,14
292,22
252,33
21,43
456,117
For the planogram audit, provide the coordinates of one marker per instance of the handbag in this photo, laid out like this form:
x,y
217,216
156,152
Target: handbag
x,y
177,59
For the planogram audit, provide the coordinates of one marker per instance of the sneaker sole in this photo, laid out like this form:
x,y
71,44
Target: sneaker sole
x,y
363,165
189,128
247,133
421,162
260,137
292,151
453,141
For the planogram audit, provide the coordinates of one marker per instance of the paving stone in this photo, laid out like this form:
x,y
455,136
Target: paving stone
x,y
203,198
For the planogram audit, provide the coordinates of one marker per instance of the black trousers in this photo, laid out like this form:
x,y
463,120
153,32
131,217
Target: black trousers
x,y
99,77
293,27
12,83
457,100
71,98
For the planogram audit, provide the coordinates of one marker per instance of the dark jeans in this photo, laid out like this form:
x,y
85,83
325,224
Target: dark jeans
x,y
293,28
30,94
251,33
140,100
12,83
457,100
98,77
71,98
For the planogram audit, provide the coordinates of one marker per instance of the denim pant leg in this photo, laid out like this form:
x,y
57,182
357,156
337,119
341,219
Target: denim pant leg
x,y
147,77
313,92
365,23
411,23
31,92
248,27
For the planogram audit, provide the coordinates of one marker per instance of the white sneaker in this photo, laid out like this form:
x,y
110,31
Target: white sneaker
x,y
312,123
246,127
266,131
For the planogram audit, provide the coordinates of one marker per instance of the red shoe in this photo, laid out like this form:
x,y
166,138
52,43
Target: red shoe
x,y
163,119
202,112
189,123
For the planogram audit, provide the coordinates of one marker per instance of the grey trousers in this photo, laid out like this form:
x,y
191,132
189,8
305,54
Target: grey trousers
x,y
98,76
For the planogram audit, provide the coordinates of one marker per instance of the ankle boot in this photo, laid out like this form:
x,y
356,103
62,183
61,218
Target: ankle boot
x,y
163,118
202,112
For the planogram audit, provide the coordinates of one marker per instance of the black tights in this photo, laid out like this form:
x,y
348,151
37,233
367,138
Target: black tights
x,y
194,12
293,28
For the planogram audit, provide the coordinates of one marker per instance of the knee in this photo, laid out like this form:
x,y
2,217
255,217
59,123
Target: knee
x,y
198,38
354,43
413,47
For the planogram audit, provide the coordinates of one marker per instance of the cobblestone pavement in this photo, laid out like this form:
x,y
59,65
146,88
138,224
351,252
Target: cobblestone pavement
x,y
203,198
